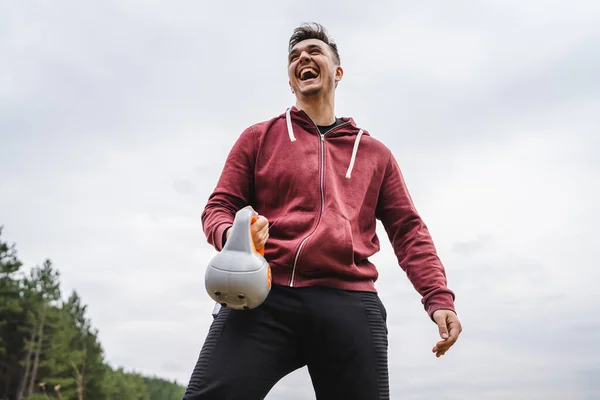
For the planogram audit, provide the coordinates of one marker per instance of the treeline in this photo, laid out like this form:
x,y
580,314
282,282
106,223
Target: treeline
x,y
49,348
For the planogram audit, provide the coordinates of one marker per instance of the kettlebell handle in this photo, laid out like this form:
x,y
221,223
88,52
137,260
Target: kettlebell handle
x,y
240,237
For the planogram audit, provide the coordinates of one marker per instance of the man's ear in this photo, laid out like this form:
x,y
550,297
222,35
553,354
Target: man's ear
x,y
339,73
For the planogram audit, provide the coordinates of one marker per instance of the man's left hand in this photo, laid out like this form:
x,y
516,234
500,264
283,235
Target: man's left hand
x,y
449,327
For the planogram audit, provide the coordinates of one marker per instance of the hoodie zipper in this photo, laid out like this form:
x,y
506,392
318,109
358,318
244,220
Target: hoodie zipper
x,y
321,184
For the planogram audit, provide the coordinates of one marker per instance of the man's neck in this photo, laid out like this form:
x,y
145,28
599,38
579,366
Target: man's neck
x,y
319,109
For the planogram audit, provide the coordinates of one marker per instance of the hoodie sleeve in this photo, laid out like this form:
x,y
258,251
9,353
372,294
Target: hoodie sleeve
x,y
411,241
234,190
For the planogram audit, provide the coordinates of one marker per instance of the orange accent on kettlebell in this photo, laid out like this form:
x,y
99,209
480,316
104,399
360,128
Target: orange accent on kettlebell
x,y
261,251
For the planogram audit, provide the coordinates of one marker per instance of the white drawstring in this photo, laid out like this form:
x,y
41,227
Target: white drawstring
x,y
354,151
289,125
288,120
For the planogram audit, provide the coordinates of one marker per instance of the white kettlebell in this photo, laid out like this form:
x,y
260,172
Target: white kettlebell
x,y
239,276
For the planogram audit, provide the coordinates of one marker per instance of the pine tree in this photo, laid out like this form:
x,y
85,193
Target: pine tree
x,y
10,314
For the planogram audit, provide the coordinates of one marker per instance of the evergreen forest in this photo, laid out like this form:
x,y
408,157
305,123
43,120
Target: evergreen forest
x,y
49,348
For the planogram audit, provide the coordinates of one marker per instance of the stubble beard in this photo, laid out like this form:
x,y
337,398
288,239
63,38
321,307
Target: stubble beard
x,y
316,90
311,92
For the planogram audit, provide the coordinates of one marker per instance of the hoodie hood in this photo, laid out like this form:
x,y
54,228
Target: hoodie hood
x,y
300,117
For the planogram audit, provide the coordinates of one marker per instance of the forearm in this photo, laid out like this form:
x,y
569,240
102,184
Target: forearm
x,y
417,256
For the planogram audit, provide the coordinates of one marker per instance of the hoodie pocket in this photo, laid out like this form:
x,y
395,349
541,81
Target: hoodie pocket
x,y
330,247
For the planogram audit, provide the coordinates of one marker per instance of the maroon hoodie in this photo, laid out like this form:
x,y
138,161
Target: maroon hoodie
x,y
322,195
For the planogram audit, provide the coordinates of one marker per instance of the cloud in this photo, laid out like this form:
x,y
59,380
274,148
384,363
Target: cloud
x,y
116,118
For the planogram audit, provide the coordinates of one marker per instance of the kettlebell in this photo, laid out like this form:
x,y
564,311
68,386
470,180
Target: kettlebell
x,y
239,276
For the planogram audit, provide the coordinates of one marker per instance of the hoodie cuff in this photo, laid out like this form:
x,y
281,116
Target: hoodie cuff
x,y
219,238
441,301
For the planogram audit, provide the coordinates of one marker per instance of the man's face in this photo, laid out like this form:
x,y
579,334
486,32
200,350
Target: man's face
x,y
312,68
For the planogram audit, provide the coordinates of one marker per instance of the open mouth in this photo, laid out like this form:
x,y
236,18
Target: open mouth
x,y
308,73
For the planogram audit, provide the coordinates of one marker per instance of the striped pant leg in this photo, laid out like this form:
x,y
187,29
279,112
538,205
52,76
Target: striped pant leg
x,y
347,350
245,353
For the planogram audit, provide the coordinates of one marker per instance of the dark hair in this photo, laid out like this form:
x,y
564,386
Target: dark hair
x,y
313,30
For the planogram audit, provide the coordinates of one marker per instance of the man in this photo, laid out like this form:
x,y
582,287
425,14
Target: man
x,y
319,183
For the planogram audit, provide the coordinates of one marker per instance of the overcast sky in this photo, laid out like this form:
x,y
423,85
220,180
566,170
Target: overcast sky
x,y
116,118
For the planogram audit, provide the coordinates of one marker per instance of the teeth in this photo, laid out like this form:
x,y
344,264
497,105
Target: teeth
x,y
307,70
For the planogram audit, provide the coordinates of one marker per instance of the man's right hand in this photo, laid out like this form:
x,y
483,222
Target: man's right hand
x,y
259,230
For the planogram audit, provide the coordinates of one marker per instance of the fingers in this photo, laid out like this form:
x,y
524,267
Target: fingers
x,y
260,223
260,231
455,330
440,348
260,241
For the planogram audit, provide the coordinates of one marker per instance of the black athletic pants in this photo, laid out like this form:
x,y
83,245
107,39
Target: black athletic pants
x,y
341,336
